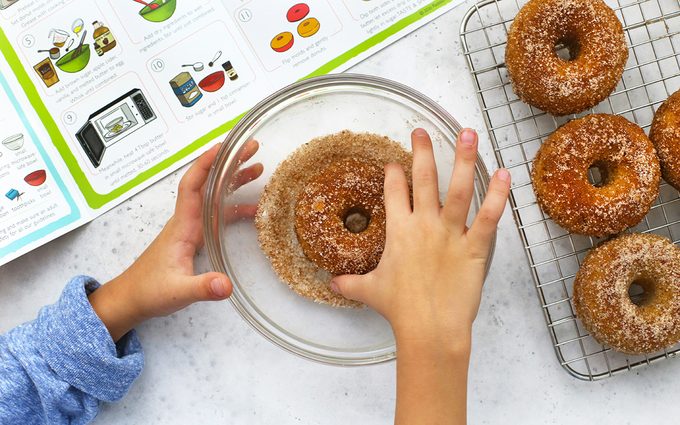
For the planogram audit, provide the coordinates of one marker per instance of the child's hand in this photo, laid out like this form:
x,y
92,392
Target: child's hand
x,y
429,280
162,279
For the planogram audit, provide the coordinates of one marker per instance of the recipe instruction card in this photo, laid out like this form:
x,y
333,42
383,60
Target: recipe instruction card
x,y
100,98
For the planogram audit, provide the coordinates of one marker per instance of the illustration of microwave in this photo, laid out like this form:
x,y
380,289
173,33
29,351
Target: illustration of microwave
x,y
4,4
113,123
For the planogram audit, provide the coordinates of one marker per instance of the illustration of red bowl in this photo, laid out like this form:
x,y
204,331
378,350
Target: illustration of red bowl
x,y
36,178
297,12
212,82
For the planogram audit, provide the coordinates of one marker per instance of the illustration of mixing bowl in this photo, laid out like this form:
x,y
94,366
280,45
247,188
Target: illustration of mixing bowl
x,y
75,60
212,82
14,143
36,178
165,9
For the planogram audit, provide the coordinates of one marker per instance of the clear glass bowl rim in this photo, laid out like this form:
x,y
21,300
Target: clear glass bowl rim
x,y
216,181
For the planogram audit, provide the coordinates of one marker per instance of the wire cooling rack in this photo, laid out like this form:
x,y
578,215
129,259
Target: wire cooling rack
x,y
517,130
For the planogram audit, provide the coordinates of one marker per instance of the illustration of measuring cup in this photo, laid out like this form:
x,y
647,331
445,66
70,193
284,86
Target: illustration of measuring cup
x,y
59,37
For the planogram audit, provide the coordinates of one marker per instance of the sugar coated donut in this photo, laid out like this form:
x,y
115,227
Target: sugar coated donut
x,y
340,217
665,134
293,199
634,325
627,163
591,32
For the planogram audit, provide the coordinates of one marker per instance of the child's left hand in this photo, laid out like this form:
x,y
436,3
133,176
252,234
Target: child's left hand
x,y
162,279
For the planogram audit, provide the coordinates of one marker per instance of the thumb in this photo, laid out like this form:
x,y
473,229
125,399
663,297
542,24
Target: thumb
x,y
210,287
351,286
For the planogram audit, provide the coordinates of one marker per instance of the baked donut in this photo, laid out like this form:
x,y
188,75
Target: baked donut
x,y
340,217
665,134
591,32
628,167
640,325
282,201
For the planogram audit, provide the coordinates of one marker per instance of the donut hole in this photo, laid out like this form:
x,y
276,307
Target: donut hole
x,y
356,219
567,48
641,291
599,173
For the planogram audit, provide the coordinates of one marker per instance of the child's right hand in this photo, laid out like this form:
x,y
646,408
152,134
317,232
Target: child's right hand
x,y
429,280
428,283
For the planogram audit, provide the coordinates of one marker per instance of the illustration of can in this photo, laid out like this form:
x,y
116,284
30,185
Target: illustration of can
x,y
185,89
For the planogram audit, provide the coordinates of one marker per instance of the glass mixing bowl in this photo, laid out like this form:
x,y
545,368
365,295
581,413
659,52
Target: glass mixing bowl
x,y
281,123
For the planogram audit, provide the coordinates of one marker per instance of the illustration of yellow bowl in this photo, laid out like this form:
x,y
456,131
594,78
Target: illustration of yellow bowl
x,y
309,27
165,10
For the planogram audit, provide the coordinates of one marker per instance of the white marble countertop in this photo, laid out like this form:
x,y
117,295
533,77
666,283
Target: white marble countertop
x,y
206,365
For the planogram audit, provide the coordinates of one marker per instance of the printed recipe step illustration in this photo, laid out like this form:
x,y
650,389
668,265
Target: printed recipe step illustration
x,y
122,93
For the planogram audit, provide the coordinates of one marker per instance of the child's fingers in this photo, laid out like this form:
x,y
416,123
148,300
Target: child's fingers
x,y
461,187
238,212
248,149
195,177
482,231
247,175
207,287
397,200
425,188
351,286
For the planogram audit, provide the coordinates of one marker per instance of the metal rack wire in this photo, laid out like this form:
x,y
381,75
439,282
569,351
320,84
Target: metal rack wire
x,y
517,130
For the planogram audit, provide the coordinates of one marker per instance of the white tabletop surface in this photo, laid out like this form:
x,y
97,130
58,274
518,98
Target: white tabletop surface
x,y
206,365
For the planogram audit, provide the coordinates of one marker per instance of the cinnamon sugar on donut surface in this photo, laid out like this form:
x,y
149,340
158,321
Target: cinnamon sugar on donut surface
x,y
560,175
275,219
599,52
601,295
347,185
665,134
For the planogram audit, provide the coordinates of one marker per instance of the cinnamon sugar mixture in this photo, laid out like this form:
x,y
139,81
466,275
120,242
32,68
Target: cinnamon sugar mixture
x,y
275,219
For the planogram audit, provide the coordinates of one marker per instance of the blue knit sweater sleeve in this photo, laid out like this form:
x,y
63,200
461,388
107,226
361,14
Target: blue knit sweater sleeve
x,y
59,367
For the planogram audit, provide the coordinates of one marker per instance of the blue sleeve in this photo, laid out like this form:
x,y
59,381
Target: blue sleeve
x,y
59,367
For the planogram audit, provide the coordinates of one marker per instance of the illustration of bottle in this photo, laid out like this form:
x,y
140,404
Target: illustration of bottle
x,y
229,69
103,39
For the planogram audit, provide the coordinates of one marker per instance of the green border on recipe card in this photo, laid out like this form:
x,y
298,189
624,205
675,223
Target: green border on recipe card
x,y
97,200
